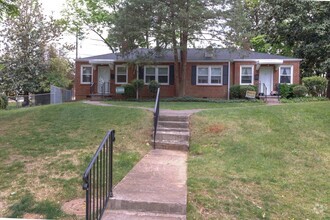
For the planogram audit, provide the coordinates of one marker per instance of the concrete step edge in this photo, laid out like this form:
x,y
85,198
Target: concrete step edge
x,y
124,214
147,206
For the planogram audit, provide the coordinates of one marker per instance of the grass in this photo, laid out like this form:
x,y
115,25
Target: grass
x,y
45,150
260,163
183,105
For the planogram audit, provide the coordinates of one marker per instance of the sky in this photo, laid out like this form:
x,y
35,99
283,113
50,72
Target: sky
x,y
91,46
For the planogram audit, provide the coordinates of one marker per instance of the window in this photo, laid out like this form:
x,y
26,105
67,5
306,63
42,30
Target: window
x,y
246,75
121,74
157,73
86,74
286,74
209,75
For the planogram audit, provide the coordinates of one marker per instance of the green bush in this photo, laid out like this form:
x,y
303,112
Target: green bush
x,y
286,90
299,91
304,99
235,92
138,85
239,92
153,86
243,90
315,85
3,101
129,90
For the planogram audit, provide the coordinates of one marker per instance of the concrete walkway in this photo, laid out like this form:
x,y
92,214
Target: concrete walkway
x,y
155,188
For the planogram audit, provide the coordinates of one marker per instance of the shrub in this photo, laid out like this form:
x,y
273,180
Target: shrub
x,y
129,91
153,86
299,91
3,101
286,90
137,84
315,85
243,90
235,92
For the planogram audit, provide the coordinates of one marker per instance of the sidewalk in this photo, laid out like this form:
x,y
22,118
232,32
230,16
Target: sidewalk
x,y
155,188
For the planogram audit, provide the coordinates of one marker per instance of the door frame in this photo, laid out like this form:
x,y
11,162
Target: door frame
x,y
271,70
98,78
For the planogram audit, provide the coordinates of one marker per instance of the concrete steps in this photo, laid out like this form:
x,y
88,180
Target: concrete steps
x,y
173,133
271,100
154,189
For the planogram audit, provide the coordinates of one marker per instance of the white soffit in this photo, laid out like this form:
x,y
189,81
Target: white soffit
x,y
101,61
270,61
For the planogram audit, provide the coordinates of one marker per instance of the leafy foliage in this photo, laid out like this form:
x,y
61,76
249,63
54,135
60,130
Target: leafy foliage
x,y
3,101
286,90
137,85
129,90
316,85
239,92
7,7
299,91
153,86
26,38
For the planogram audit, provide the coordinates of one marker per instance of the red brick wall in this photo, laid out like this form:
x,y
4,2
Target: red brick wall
x,y
201,91
83,90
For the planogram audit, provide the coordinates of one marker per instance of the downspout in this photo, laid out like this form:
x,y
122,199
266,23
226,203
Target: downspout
x,y
228,95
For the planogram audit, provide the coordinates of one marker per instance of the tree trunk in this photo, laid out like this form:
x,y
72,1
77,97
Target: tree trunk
x,y
177,75
328,89
183,63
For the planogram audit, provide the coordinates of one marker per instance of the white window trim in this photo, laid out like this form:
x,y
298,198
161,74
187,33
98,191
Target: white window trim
x,y
209,76
81,74
240,75
279,73
116,74
156,74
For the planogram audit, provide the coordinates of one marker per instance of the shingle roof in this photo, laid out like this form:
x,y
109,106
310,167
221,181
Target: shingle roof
x,y
193,55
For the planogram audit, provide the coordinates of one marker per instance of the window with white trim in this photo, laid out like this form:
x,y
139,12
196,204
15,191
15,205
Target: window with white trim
x,y
121,74
157,73
246,75
209,75
285,74
86,74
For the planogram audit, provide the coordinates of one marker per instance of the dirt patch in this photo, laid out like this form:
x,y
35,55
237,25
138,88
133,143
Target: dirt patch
x,y
33,216
216,128
75,207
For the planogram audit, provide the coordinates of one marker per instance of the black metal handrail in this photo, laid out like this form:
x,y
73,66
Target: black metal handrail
x,y
156,116
98,178
264,90
91,88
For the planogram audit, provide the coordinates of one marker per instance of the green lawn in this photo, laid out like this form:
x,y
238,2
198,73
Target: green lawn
x,y
183,105
45,150
268,162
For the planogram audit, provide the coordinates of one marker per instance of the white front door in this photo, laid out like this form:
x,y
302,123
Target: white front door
x,y
103,85
266,77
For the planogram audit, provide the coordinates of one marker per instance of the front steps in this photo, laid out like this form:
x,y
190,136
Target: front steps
x,y
270,100
173,132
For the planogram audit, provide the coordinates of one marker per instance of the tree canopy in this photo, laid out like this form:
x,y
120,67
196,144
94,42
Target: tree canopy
x,y
26,41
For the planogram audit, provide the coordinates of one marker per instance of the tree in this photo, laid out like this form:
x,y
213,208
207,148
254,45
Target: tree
x,y
305,27
59,72
91,15
170,24
26,37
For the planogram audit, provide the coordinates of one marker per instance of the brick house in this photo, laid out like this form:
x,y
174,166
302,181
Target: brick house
x,y
206,76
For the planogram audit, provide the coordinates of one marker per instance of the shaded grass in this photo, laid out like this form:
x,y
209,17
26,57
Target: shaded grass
x,y
183,105
45,150
264,163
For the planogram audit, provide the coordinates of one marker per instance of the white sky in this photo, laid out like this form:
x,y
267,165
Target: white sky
x,y
91,46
